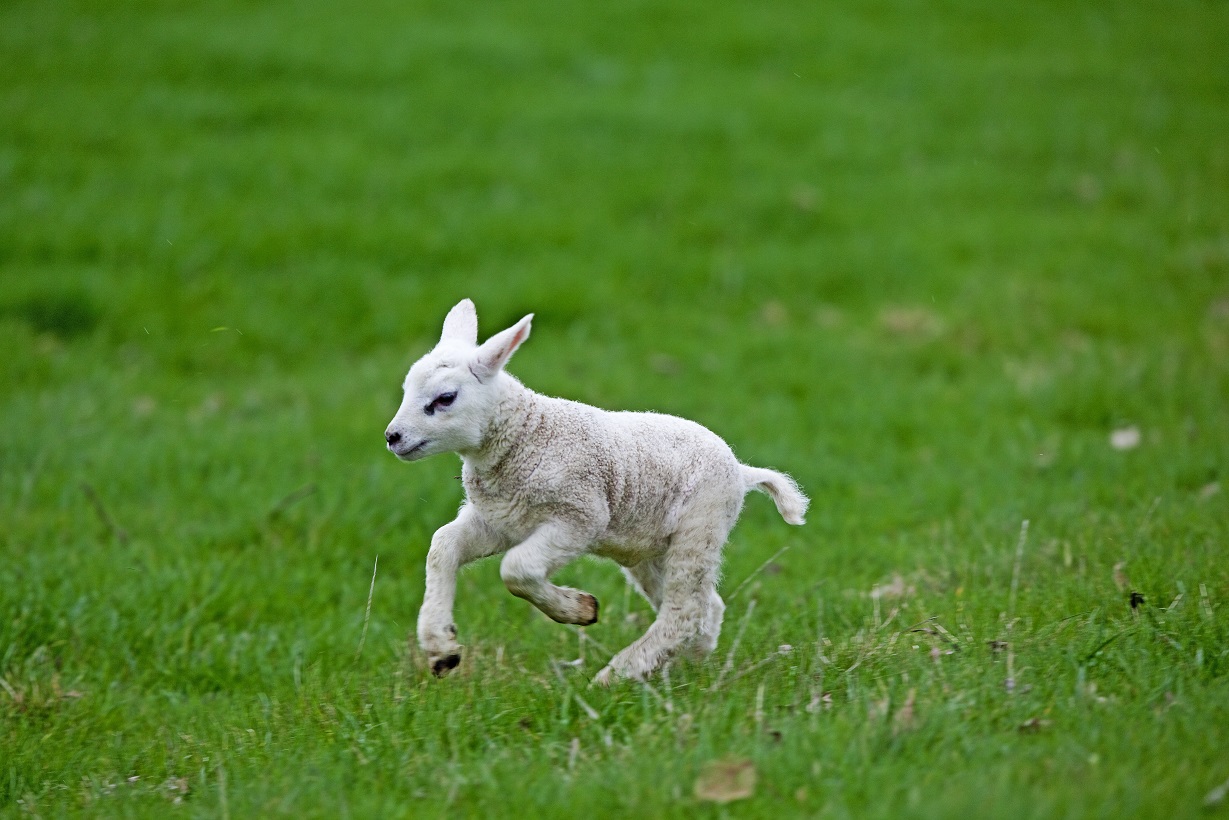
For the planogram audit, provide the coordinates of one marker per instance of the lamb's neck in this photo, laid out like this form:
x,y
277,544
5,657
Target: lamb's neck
x,y
511,428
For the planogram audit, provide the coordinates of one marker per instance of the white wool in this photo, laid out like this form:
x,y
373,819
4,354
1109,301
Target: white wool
x,y
548,480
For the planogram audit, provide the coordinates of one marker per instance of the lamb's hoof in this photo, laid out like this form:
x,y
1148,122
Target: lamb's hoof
x,y
603,678
588,610
442,666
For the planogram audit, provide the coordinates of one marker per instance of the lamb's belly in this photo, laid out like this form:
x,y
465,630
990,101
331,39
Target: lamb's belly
x,y
626,553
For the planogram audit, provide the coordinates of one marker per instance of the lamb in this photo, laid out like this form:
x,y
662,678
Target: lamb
x,y
548,480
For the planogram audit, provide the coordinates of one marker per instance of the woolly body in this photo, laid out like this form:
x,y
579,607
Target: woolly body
x,y
628,478
548,480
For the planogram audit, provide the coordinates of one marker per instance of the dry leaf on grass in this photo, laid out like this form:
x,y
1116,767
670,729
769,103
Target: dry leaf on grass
x,y
724,781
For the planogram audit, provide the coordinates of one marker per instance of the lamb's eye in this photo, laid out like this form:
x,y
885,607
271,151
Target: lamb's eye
x,y
442,400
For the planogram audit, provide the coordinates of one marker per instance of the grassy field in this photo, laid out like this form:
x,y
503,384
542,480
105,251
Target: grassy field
x,y
954,266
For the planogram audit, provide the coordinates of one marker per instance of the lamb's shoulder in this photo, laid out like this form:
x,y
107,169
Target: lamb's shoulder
x,y
554,472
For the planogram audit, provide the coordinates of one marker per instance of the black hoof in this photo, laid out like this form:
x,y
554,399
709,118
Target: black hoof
x,y
444,665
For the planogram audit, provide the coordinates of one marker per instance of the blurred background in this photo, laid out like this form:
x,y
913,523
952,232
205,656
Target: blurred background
x,y
820,230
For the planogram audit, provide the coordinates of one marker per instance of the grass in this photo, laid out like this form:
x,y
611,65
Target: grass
x,y
925,258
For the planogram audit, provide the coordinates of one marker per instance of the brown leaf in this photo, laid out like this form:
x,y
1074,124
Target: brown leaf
x,y
724,781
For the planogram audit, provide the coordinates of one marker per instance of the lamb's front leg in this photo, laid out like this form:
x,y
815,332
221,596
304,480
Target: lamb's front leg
x,y
454,545
527,568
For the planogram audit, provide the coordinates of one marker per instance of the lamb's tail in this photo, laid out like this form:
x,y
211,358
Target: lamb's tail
x,y
783,490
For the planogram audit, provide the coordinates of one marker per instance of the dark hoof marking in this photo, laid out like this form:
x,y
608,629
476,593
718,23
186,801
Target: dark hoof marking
x,y
444,665
596,606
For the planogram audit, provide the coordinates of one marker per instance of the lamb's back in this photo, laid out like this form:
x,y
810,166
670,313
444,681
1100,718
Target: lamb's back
x,y
642,467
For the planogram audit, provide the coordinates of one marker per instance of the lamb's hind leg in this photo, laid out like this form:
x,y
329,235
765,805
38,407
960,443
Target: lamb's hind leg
x,y
685,611
705,641
649,579
527,567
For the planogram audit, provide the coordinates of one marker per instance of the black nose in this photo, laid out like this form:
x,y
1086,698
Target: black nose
x,y
392,438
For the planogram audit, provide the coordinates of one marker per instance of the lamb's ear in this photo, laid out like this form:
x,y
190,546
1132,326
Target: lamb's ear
x,y
496,351
461,324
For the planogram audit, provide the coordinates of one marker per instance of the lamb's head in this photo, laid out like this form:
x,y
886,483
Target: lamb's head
x,y
453,393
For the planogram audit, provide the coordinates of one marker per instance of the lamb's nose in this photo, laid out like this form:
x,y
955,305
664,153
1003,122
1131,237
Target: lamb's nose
x,y
392,438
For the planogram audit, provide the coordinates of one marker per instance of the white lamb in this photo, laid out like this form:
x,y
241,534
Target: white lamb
x,y
549,480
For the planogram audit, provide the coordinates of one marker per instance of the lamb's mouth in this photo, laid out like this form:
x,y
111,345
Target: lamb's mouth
x,y
412,453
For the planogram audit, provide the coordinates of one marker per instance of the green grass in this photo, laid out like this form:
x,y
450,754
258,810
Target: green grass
x,y
926,258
